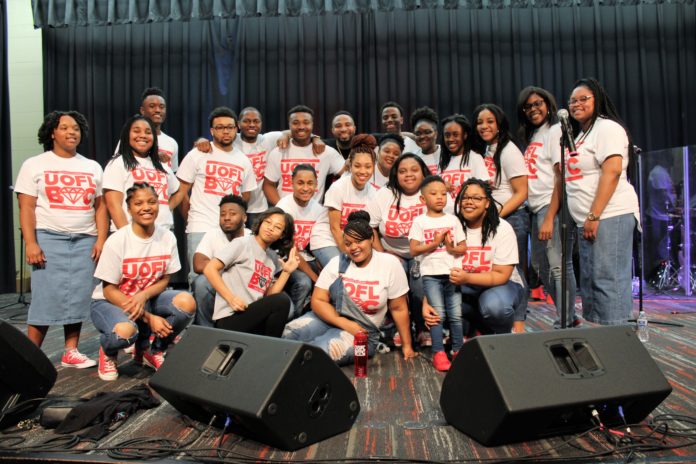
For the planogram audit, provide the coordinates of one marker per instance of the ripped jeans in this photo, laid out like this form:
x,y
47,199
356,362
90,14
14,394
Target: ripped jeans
x,y
105,316
336,342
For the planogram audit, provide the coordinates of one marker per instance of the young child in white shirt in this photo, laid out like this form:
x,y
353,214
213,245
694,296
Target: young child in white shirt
x,y
438,237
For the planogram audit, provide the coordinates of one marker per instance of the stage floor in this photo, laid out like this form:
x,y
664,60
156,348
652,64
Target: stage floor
x,y
400,418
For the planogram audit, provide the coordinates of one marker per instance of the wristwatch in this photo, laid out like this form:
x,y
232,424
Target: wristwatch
x,y
592,217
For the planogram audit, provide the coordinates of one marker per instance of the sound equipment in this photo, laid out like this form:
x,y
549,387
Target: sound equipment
x,y
25,374
516,387
280,392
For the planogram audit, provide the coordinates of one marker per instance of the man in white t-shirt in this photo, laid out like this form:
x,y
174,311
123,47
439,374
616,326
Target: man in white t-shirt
x,y
391,115
213,175
232,218
278,179
154,107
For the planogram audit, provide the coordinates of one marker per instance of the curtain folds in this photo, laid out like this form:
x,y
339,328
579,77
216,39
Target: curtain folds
x,y
645,56
60,13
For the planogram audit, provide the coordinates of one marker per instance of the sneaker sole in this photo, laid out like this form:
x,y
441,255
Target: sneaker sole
x,y
83,365
149,364
108,377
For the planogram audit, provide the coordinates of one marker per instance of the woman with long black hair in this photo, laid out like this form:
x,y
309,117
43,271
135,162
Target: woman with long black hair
x,y
602,203
136,161
536,113
493,294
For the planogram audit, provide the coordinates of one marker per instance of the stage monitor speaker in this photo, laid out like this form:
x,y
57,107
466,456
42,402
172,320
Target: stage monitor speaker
x,y
282,393
25,374
516,387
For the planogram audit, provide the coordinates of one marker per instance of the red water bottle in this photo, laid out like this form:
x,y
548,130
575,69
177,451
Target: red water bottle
x,y
360,354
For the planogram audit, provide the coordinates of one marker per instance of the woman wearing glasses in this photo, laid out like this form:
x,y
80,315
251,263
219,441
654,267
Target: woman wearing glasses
x,y
602,203
538,126
492,289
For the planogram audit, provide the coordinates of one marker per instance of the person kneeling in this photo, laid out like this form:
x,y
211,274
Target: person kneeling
x,y
352,295
242,273
131,302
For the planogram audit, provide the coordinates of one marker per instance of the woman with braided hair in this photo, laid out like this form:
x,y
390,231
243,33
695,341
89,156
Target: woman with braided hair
x,y
493,295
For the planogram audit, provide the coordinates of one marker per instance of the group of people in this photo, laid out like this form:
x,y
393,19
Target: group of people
x,y
407,234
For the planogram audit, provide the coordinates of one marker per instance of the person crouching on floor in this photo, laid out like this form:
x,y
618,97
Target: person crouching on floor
x,y
352,295
132,301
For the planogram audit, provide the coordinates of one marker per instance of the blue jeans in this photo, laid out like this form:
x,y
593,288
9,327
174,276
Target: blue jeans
x,y
444,296
496,308
192,241
105,316
299,288
519,220
336,342
415,294
546,258
605,271
326,254
204,294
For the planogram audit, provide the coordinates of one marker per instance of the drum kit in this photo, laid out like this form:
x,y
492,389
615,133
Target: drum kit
x,y
669,275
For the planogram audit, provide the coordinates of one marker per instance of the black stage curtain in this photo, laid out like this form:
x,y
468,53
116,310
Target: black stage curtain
x,y
7,256
60,13
645,55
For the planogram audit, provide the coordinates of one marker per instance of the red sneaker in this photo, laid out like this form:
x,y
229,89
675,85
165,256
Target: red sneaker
x,y
538,293
549,300
107,366
154,359
440,361
397,340
73,358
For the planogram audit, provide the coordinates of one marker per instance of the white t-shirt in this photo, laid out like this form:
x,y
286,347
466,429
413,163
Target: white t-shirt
x,y
410,145
168,151
439,261
305,218
65,190
344,197
456,174
257,153
432,160
394,225
512,165
370,287
539,159
248,272
282,162
583,171
500,249
135,263
119,179
213,176
215,240
379,180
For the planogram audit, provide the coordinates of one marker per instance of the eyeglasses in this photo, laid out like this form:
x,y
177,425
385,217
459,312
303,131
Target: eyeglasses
x,y
476,199
534,105
583,100
224,128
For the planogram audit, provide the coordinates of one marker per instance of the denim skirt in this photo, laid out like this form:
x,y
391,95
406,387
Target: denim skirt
x,y
61,291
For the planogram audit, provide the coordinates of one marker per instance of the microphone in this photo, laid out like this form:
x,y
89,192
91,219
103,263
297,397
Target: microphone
x,y
567,129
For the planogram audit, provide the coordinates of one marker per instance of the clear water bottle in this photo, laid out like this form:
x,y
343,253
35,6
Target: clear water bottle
x,y
643,329
360,354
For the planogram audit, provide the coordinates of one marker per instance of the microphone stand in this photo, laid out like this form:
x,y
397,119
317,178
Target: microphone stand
x,y
564,232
